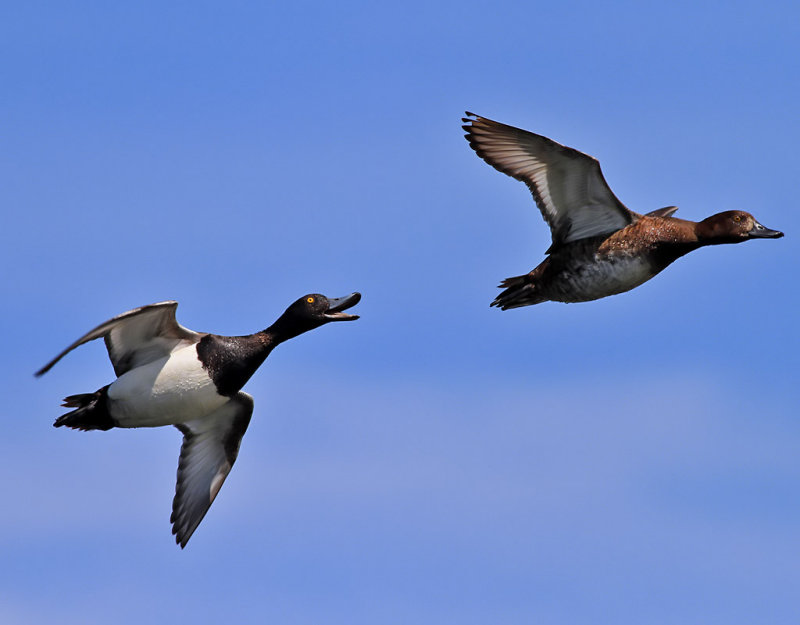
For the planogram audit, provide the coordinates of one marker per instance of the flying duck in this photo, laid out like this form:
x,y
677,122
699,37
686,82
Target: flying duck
x,y
169,375
599,247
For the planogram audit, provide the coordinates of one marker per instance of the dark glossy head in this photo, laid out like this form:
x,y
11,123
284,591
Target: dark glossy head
x,y
733,227
312,311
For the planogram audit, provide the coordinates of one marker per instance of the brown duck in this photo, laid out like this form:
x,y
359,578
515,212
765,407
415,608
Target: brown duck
x,y
599,247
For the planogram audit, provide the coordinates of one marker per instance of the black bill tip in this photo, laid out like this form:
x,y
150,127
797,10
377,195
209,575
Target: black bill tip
x,y
761,232
336,306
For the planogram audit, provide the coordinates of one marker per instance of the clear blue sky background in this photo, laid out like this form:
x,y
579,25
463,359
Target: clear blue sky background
x,y
630,460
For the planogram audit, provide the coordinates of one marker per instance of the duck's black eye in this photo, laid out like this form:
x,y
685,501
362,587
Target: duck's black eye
x,y
310,300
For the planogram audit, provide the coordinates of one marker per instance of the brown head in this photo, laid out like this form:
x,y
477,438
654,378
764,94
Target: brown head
x,y
732,227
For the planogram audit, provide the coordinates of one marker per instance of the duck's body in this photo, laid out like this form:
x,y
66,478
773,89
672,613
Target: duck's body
x,y
596,267
583,272
168,391
599,247
168,375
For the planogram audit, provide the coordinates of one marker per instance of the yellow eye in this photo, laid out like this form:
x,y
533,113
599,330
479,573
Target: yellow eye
x,y
737,218
310,300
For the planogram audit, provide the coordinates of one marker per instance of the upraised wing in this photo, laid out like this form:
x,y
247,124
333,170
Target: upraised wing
x,y
137,337
567,185
210,447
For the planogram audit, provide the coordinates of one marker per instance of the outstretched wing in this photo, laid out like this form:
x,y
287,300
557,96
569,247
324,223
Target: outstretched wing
x,y
137,337
210,447
568,186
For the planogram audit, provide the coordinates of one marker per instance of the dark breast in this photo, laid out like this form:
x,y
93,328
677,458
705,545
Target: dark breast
x,y
231,360
659,240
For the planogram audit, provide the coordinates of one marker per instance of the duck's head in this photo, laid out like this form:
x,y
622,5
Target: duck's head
x,y
733,227
314,310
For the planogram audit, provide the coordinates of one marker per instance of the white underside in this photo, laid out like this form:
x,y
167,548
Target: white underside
x,y
164,392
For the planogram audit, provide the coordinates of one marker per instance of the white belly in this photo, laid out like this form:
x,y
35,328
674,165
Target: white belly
x,y
165,392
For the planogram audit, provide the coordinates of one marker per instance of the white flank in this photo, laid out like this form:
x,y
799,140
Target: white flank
x,y
164,392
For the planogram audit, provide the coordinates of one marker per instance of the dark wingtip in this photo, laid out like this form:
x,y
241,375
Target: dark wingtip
x,y
179,540
468,121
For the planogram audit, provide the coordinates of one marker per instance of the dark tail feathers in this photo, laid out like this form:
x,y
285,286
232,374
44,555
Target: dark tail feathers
x,y
91,412
519,291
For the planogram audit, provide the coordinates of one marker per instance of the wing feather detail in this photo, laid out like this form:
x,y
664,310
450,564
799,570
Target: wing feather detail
x,y
137,337
210,447
567,185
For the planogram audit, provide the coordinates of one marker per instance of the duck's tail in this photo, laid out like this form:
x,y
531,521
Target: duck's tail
x,y
91,411
519,291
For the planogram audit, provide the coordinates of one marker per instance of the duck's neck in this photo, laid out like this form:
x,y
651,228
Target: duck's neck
x,y
284,328
678,238
261,344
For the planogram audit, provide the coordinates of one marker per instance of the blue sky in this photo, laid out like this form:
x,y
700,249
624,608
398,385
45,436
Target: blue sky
x,y
629,460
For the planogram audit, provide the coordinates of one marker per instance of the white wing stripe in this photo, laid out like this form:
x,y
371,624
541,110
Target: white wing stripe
x,y
568,186
210,446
